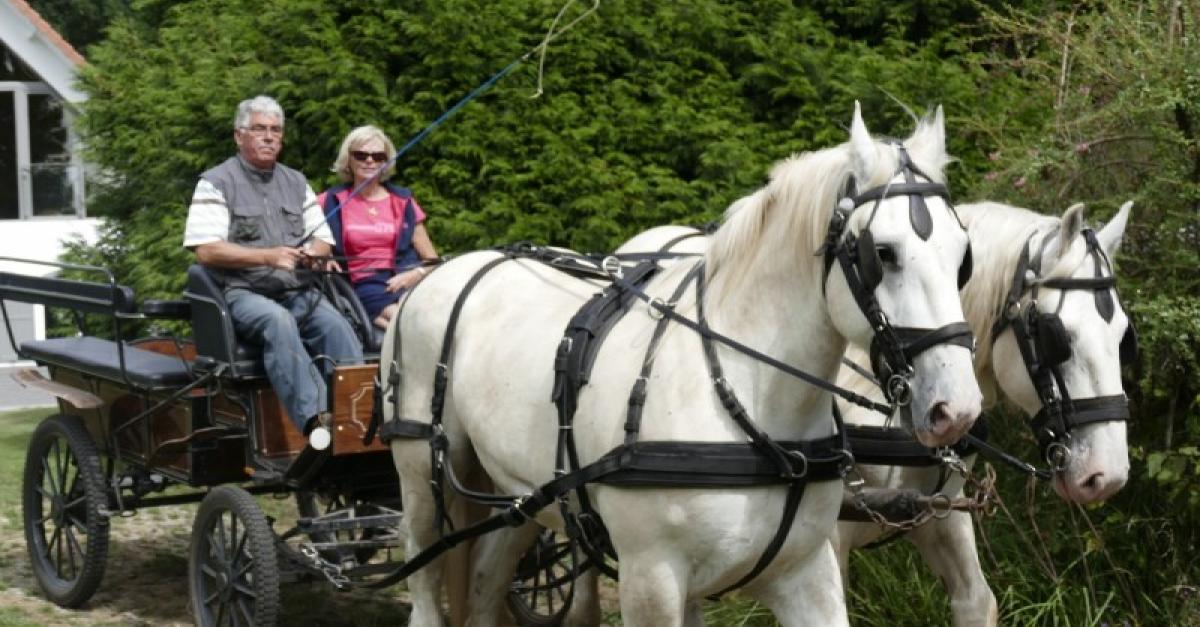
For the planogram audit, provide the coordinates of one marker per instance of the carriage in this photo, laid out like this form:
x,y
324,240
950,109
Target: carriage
x,y
162,421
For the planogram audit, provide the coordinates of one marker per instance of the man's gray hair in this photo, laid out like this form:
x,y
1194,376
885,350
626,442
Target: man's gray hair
x,y
257,104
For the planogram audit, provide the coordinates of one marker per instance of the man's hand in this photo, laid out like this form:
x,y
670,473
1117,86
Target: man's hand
x,y
282,257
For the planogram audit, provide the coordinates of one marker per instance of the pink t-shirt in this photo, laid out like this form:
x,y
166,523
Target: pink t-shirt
x,y
369,232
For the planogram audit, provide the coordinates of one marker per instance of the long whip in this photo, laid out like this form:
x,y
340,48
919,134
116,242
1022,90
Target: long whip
x,y
551,35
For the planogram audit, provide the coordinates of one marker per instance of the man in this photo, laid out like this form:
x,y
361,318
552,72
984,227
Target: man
x,y
247,223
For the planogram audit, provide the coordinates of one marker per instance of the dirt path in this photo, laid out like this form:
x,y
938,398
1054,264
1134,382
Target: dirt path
x,y
145,582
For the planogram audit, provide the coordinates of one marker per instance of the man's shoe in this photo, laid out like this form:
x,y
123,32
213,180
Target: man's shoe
x,y
316,429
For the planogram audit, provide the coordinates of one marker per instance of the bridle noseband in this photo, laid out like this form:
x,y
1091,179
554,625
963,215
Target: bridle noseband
x,y
893,349
1045,346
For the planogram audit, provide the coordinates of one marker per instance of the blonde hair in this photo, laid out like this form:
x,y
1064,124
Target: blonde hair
x,y
353,141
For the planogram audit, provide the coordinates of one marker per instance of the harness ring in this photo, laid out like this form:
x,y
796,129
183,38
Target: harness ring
x,y
940,505
654,308
1058,455
899,390
612,267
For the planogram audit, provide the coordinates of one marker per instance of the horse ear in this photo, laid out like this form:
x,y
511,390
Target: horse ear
x,y
1071,224
937,131
863,147
1111,235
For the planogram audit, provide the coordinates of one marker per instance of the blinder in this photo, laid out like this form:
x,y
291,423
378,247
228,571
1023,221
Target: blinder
x,y
870,266
966,268
1053,340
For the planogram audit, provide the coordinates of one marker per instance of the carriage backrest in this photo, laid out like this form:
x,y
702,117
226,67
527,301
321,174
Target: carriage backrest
x,y
82,296
212,328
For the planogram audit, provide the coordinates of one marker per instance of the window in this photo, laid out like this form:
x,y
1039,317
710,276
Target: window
x,y
39,175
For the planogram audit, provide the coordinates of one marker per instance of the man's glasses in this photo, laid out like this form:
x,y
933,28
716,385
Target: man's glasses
x,y
362,155
261,130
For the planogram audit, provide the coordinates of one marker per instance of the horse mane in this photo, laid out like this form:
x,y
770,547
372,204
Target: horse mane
x,y
785,222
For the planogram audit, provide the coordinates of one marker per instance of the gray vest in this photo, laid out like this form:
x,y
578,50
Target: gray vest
x,y
266,209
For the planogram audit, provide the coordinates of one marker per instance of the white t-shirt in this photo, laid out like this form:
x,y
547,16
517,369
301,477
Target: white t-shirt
x,y
208,217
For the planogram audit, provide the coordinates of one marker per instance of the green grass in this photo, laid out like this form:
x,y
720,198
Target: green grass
x,y
16,427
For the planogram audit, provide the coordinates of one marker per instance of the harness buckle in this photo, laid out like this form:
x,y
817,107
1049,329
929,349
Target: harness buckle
x,y
803,459
612,267
1012,310
851,477
1058,455
898,390
654,308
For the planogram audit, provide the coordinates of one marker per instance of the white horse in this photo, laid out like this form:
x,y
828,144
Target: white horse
x,y
1098,463
767,288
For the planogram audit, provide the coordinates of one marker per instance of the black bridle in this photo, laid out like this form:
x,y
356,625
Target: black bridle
x,y
1045,346
893,349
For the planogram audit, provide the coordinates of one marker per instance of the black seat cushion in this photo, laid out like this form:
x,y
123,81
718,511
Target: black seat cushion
x,y
99,357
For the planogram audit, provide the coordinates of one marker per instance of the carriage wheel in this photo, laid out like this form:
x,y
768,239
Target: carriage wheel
x,y
314,504
63,499
544,585
232,574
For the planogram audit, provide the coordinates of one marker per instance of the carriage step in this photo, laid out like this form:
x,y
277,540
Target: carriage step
x,y
346,522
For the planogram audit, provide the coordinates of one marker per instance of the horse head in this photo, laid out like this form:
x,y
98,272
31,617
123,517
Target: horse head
x,y
901,258
1059,349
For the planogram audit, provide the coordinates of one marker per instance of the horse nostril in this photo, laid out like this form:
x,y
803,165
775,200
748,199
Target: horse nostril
x,y
939,414
1093,482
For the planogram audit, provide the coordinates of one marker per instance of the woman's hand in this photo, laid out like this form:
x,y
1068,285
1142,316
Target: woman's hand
x,y
405,280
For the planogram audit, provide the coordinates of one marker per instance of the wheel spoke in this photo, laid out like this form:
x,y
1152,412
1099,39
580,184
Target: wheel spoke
x,y
63,457
215,550
221,541
246,610
73,549
245,589
221,614
48,476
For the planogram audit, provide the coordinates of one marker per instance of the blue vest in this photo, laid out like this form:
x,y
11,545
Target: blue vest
x,y
406,255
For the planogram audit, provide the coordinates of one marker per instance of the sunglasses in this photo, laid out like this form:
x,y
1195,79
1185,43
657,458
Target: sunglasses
x,y
360,155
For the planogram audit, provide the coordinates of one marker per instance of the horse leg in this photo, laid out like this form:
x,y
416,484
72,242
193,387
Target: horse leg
x,y
693,614
585,604
948,546
493,561
425,585
653,589
809,594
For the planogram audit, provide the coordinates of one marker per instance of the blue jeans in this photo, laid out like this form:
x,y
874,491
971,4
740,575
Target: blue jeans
x,y
288,334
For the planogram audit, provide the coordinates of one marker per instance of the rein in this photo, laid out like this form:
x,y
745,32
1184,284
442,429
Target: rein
x,y
761,461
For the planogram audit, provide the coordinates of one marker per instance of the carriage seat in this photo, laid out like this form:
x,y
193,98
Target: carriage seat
x,y
212,329
217,343
100,357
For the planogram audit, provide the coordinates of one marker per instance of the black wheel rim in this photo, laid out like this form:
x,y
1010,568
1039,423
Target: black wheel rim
x,y
61,515
227,573
542,590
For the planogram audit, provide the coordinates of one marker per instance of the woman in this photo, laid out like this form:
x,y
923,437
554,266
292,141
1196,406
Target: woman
x,y
380,230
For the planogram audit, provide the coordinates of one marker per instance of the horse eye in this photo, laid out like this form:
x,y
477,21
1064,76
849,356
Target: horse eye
x,y
886,254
